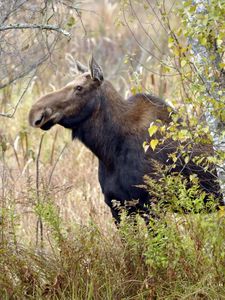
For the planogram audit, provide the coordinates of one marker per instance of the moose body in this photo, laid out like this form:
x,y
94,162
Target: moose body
x,y
114,129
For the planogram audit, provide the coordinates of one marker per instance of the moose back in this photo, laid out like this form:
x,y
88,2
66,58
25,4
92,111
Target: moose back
x,y
114,129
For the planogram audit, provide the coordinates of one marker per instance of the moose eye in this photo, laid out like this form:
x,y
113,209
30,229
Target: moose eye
x,y
78,88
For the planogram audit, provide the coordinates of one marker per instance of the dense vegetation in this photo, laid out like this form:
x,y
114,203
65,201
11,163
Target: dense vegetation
x,y
184,260
57,237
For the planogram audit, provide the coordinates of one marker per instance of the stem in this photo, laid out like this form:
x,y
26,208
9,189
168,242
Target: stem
x,y
39,226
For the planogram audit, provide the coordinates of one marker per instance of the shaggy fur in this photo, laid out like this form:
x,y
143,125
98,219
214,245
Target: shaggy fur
x,y
114,129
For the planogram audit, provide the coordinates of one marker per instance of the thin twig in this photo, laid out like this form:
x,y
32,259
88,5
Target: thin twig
x,y
39,225
53,168
31,68
14,9
140,44
143,28
135,38
153,71
11,115
78,13
157,16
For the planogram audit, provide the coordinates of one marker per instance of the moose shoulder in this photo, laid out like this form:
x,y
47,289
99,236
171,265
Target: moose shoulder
x,y
114,129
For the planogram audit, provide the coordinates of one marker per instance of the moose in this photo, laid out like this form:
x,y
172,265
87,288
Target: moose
x,y
114,129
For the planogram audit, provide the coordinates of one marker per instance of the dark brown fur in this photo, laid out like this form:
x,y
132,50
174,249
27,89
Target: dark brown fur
x,y
114,129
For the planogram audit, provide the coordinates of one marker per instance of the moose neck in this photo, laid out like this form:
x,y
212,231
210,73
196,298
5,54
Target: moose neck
x,y
104,132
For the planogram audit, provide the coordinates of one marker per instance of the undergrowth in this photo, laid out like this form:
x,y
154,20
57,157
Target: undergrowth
x,y
58,241
180,257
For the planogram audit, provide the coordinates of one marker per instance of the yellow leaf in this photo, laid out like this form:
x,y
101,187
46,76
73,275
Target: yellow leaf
x,y
183,134
152,129
145,146
153,144
222,65
183,63
186,159
176,51
219,42
163,129
133,90
166,69
174,157
193,178
221,212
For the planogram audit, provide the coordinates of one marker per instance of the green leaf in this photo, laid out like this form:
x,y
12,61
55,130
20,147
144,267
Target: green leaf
x,y
170,42
71,21
203,41
183,134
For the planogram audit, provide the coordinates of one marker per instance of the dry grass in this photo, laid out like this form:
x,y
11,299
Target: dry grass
x,y
57,237
67,172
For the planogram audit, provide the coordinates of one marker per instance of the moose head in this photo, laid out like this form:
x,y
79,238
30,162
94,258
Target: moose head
x,y
71,104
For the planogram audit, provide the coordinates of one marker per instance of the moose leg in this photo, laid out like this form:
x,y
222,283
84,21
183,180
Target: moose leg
x,y
115,209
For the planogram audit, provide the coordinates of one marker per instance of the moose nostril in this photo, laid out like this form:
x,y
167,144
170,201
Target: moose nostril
x,y
39,120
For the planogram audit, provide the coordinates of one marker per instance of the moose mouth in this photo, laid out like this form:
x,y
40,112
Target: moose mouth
x,y
66,122
46,126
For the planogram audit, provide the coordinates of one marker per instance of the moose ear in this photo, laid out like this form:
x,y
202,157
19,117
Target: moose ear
x,y
75,65
96,70
80,67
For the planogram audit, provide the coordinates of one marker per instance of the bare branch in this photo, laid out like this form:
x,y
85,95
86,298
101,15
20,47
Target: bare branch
x,y
140,44
157,16
134,36
143,28
32,67
11,115
35,26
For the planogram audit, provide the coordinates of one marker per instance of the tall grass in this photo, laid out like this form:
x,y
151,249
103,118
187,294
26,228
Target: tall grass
x,y
57,237
183,260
